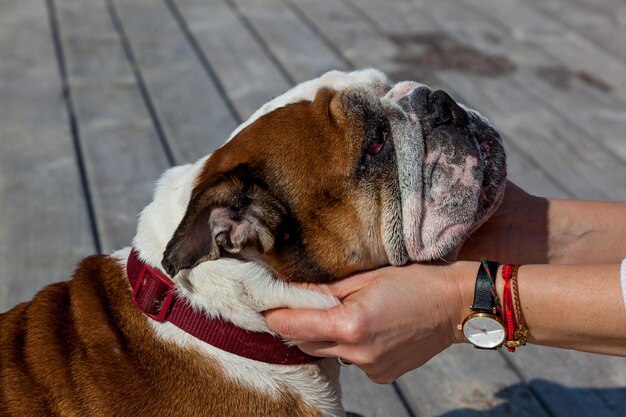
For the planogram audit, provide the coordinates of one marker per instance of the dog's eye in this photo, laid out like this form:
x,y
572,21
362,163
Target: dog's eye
x,y
376,145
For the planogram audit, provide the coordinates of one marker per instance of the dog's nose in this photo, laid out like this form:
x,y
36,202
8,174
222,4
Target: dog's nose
x,y
444,110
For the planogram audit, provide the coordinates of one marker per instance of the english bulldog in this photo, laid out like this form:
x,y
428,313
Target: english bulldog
x,y
344,173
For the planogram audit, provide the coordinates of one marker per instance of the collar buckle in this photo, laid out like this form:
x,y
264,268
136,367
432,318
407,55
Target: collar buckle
x,y
153,294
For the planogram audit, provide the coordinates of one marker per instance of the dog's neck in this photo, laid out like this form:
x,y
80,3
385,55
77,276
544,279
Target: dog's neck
x,y
234,290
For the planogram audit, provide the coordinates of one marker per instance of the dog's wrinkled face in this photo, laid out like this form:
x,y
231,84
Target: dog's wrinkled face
x,y
342,174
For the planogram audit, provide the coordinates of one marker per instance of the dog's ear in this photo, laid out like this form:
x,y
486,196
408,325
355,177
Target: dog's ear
x,y
233,212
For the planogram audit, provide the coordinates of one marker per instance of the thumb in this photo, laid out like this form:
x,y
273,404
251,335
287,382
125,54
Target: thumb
x,y
342,288
310,325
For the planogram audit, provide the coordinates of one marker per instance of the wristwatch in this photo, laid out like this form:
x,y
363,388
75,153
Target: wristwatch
x,y
483,327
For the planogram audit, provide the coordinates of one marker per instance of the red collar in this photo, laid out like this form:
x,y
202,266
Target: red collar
x,y
153,294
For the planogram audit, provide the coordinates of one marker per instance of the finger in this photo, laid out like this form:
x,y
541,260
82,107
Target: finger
x,y
320,349
343,287
351,284
388,372
323,288
359,356
303,324
331,350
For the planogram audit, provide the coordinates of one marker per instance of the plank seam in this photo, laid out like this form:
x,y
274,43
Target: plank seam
x,y
578,32
536,393
313,28
143,89
405,403
260,41
73,123
363,15
204,61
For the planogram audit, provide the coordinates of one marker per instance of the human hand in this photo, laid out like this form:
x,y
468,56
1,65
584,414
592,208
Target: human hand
x,y
521,220
526,229
390,320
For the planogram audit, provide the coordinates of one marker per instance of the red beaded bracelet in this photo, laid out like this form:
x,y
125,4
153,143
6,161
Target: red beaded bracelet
x,y
508,311
512,316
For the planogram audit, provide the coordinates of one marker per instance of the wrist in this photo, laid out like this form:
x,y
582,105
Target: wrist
x,y
464,277
521,220
585,232
463,274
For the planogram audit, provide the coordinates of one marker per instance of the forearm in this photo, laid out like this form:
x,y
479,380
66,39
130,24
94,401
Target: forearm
x,y
534,230
586,232
569,306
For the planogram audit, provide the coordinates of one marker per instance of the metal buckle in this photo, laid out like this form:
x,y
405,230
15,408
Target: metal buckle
x,y
162,305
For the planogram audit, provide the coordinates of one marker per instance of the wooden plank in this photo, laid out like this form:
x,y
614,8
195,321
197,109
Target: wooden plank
x,y
123,153
574,383
302,53
362,398
604,24
601,22
367,48
249,76
44,226
565,44
609,8
349,36
583,98
188,103
465,381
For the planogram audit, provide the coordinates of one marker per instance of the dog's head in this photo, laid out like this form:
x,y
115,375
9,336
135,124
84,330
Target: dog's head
x,y
341,174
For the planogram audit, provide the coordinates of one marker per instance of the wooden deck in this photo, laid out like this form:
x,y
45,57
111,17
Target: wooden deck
x,y
98,97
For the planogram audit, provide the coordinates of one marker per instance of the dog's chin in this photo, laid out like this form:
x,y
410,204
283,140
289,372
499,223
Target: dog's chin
x,y
492,188
494,181
453,237
494,173
444,243
448,252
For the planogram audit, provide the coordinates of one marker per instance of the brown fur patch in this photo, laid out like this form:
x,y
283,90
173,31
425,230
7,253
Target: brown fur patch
x,y
330,230
80,348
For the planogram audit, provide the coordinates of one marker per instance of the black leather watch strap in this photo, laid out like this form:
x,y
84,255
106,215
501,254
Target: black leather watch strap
x,y
484,300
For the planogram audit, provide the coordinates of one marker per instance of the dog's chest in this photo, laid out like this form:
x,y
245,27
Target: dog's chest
x,y
83,349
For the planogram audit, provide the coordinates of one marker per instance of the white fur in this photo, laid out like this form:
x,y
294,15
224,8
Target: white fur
x,y
233,290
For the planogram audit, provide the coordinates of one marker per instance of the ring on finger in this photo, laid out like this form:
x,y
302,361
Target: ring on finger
x,y
343,362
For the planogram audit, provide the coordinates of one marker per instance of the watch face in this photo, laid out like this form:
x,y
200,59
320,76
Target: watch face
x,y
484,331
